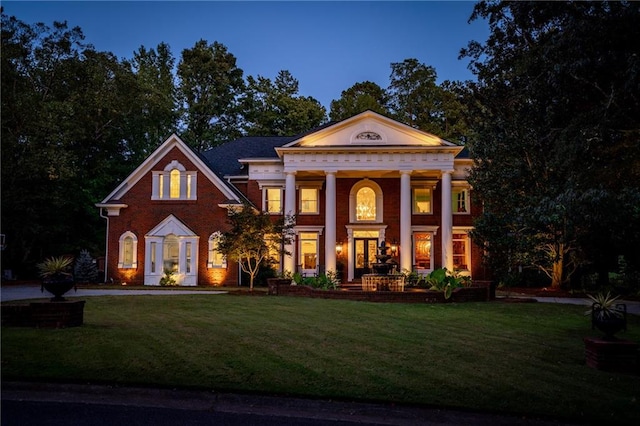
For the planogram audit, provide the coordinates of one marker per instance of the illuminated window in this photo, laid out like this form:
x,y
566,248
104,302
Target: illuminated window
x,y
173,183
170,253
215,259
460,252
127,253
274,247
460,200
365,204
309,200
422,243
273,200
152,248
308,250
421,200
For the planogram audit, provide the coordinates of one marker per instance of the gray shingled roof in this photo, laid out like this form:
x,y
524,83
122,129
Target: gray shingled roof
x,y
223,159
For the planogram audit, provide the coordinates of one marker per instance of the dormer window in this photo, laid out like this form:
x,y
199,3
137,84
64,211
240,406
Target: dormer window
x,y
174,183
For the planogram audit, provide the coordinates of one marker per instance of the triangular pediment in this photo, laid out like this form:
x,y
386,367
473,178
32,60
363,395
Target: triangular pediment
x,y
368,129
171,225
159,155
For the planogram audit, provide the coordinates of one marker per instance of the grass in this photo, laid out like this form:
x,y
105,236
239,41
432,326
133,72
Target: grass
x,y
515,358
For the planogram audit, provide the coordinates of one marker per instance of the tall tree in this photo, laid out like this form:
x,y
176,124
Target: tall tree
x,y
415,97
360,97
158,115
558,123
65,109
275,107
211,85
417,100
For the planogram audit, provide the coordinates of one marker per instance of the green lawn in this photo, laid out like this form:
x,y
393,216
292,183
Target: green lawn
x,y
519,358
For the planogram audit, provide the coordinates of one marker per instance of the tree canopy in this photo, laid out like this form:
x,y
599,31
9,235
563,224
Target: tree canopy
x,y
556,113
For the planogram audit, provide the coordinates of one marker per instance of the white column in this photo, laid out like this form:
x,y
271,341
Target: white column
x,y
406,254
330,223
289,263
447,222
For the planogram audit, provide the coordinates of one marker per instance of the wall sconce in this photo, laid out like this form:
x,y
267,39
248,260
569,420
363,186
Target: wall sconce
x,y
394,248
339,248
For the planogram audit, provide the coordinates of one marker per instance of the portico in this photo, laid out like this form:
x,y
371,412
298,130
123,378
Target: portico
x,y
358,168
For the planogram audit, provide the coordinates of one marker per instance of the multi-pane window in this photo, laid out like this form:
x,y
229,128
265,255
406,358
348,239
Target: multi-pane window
x,y
171,250
308,250
309,200
173,183
215,259
273,200
422,243
460,200
365,204
460,251
421,200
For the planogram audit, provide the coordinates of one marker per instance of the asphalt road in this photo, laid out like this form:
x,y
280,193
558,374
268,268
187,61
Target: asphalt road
x,y
92,405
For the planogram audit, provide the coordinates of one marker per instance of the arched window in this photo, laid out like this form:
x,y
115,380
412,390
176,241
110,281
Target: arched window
x,y
174,184
365,202
128,251
215,259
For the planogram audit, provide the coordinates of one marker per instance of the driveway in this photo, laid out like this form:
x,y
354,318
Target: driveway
x,y
24,292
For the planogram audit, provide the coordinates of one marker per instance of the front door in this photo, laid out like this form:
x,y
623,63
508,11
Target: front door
x,y
364,255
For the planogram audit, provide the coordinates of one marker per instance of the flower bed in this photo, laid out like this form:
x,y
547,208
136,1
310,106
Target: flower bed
x,y
474,293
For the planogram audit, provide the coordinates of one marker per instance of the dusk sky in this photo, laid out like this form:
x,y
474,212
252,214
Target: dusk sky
x,y
327,46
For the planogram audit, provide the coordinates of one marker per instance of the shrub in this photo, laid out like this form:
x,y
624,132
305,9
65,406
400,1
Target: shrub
x,y
85,269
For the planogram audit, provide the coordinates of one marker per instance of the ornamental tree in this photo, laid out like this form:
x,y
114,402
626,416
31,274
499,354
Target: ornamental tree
x,y
254,238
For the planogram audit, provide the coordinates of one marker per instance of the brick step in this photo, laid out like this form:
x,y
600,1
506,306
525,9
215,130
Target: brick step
x,y
352,285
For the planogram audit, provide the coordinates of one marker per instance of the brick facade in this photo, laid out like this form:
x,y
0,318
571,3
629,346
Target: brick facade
x,y
131,207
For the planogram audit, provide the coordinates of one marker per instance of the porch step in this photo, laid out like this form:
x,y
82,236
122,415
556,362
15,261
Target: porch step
x,y
354,285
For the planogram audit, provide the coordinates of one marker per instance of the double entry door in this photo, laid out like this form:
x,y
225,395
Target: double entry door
x,y
364,254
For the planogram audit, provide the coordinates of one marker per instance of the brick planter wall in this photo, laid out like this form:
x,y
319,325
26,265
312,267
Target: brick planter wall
x,y
470,294
612,355
44,314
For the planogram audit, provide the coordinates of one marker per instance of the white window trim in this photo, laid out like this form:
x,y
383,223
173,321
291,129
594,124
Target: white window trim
x,y
353,202
430,185
464,230
134,255
264,199
212,249
161,180
317,191
466,187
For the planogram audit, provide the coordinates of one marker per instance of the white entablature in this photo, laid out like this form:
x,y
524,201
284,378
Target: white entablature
x,y
297,159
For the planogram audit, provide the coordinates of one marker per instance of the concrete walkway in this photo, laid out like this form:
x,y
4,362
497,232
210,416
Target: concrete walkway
x,y
633,307
25,292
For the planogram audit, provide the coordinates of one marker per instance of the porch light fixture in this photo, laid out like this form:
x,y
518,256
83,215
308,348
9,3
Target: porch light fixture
x,y
394,248
339,248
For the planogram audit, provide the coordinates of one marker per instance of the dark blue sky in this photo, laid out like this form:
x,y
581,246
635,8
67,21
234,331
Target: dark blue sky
x,y
328,46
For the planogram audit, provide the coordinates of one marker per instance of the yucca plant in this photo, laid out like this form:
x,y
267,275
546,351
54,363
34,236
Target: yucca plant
x,y
607,315
604,306
55,267
56,278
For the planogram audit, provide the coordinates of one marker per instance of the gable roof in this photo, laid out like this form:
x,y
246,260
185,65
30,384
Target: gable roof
x,y
382,130
147,165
